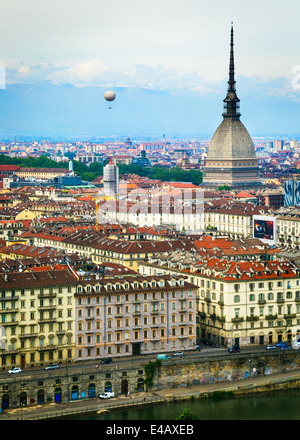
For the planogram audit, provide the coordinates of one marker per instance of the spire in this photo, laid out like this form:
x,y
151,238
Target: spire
x,y
231,102
231,82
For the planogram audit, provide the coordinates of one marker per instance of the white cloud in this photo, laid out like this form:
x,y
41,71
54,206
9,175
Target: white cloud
x,y
90,72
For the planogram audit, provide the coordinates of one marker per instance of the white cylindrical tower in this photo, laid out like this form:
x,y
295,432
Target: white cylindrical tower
x,y
110,179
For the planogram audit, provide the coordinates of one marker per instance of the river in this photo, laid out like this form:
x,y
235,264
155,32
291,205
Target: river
x,y
279,405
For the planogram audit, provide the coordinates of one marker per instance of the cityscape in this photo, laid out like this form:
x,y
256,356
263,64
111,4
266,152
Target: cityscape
x,y
137,263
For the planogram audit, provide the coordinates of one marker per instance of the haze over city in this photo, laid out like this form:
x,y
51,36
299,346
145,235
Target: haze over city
x,y
167,62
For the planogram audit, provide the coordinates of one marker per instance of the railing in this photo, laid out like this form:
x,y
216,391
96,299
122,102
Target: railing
x,y
103,406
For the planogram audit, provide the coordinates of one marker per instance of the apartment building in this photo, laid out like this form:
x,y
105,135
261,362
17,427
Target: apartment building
x,y
100,249
134,315
241,302
228,217
37,318
288,227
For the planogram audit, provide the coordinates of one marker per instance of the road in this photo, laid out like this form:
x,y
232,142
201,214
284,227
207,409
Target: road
x,y
206,352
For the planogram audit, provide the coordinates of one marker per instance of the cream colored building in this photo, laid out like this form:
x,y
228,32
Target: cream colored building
x,y
220,217
37,318
245,303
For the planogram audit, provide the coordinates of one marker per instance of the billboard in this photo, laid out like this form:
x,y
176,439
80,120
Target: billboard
x,y
264,228
289,193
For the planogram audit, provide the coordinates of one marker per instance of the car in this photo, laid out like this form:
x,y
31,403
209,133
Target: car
x,y
52,367
271,347
178,353
15,370
281,344
234,349
107,361
107,395
283,347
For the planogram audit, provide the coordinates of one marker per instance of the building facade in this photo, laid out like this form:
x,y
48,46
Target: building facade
x,y
134,315
37,318
244,303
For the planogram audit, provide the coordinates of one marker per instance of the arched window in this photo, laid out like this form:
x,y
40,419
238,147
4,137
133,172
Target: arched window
x,y
92,390
75,393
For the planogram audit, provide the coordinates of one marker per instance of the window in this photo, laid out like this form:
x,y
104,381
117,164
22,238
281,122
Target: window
x,y
237,298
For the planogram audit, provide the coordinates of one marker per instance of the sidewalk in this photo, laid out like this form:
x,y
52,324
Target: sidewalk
x,y
94,404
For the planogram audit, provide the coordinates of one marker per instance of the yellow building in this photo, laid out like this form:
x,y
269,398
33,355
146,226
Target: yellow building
x,y
37,318
26,214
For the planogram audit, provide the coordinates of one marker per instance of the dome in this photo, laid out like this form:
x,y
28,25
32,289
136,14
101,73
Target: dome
x,y
231,141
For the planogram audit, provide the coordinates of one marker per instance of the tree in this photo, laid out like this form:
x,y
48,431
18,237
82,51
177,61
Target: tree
x,y
187,415
150,370
89,177
224,187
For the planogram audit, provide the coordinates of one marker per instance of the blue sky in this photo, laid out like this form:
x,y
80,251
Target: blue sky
x,y
166,45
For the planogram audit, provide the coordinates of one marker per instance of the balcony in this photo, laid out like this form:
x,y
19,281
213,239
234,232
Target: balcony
x,y
45,320
28,335
47,348
271,317
289,315
47,295
237,319
9,323
9,298
252,318
12,310
52,307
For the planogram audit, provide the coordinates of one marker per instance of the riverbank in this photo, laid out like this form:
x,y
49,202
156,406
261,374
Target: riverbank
x,y
274,382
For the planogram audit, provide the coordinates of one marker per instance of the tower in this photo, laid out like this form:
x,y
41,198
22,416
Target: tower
x,y
231,158
110,179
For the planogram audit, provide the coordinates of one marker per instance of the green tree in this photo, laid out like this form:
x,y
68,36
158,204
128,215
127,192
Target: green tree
x,y
187,415
89,176
224,187
150,370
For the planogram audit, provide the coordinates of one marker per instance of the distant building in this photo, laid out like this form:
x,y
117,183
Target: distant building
x,y
42,173
231,158
142,160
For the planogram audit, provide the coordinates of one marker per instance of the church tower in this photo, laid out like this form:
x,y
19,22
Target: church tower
x,y
231,158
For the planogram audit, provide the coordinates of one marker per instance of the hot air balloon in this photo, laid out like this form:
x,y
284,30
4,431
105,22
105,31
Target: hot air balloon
x,y
109,95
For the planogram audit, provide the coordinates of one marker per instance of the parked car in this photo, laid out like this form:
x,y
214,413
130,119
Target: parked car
x,y
163,356
271,347
14,370
282,345
107,361
178,353
234,349
107,395
52,367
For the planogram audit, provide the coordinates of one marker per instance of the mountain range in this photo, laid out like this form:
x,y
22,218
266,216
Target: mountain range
x,y
51,110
